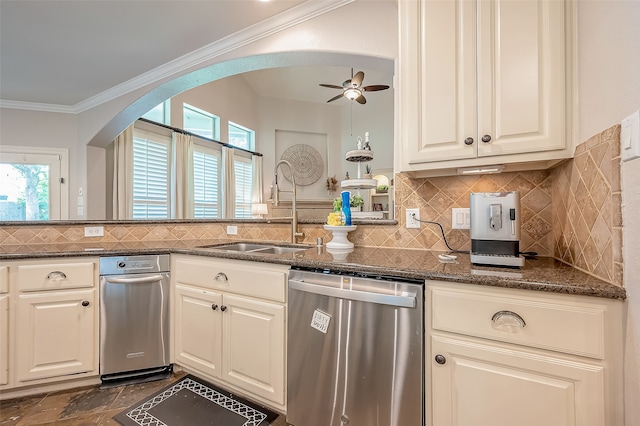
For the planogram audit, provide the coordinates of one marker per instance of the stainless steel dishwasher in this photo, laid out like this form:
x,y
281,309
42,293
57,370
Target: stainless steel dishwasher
x,y
355,350
134,318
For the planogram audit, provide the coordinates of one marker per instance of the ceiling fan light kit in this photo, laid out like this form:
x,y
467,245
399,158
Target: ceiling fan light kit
x,y
352,89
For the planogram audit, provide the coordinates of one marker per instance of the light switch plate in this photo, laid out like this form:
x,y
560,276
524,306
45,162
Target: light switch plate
x,y
460,218
630,137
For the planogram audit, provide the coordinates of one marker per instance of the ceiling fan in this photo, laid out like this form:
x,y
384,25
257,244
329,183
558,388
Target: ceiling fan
x,y
352,89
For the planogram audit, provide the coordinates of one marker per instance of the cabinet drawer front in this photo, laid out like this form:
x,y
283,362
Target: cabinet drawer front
x,y
54,276
254,279
558,326
4,279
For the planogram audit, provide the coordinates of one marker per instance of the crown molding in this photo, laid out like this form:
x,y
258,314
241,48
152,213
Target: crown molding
x,y
287,19
35,106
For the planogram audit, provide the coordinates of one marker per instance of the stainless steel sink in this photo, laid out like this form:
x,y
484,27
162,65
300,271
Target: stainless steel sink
x,y
256,248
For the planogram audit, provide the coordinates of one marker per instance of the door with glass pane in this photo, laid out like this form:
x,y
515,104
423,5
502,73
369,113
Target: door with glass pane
x,y
30,187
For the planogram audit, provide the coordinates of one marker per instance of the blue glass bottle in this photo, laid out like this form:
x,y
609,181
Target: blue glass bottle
x,y
346,207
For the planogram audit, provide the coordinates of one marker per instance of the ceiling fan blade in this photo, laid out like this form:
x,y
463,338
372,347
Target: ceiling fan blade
x,y
357,79
335,97
375,88
331,86
361,100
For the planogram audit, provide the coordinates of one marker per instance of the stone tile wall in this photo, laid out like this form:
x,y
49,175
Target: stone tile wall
x,y
587,212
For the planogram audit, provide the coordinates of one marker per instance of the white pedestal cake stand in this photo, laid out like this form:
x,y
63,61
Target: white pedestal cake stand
x,y
339,240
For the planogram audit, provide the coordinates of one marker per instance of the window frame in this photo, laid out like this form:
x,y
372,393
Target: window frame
x,y
58,191
251,135
215,131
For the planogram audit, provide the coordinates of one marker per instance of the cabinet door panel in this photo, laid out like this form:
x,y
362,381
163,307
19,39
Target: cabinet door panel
x,y
4,339
198,329
254,346
521,76
56,334
494,385
448,80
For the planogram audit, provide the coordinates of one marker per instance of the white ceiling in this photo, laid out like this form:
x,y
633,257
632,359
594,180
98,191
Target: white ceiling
x,y
65,52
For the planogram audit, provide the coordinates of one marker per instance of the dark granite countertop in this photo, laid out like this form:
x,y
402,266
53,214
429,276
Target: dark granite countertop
x,y
542,274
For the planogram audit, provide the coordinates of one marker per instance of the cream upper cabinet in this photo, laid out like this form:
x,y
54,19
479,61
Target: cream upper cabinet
x,y
229,323
514,357
481,82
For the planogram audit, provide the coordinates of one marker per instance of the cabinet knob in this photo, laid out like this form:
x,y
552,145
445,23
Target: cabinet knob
x,y
214,306
468,141
85,303
223,308
486,139
221,276
440,359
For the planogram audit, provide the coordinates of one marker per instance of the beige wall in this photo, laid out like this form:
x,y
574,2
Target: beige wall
x,y
609,90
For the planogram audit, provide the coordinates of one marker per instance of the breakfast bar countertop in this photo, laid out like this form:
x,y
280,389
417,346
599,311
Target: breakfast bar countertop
x,y
541,274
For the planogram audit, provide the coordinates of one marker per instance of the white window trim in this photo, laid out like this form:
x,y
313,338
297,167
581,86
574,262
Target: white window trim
x,y
216,121
251,146
62,195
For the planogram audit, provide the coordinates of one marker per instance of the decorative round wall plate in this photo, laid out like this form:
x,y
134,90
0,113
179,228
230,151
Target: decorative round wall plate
x,y
306,162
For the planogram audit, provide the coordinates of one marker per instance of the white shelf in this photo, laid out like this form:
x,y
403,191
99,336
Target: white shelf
x,y
359,183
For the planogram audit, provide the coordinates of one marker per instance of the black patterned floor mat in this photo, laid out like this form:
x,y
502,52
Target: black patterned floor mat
x,y
190,402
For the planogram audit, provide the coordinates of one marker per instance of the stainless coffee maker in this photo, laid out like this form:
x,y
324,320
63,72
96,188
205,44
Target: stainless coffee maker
x,y
495,229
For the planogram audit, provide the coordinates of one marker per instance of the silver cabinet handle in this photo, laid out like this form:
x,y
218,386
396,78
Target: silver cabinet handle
x,y
214,306
221,276
57,276
85,303
223,308
468,141
486,138
507,319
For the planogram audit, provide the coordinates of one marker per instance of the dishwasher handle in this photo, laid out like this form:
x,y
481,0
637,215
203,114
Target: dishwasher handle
x,y
407,300
135,280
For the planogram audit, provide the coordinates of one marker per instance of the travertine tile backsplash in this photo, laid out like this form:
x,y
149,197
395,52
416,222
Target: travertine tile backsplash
x,y
587,212
571,212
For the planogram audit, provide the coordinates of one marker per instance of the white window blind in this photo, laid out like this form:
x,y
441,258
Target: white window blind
x,y
206,183
244,184
151,164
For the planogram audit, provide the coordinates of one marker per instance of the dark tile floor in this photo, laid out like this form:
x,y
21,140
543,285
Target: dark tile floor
x,y
86,406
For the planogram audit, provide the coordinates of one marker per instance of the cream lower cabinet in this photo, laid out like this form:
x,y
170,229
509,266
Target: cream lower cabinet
x,y
55,334
51,322
229,323
4,339
506,357
480,384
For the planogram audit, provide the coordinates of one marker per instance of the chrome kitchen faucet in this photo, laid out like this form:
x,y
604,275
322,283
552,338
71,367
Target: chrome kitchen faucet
x,y
295,234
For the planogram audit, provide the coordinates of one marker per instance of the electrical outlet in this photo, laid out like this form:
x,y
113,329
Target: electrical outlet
x,y
460,218
94,231
411,222
232,230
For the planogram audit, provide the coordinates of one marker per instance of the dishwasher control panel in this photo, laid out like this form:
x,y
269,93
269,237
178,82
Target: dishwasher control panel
x,y
118,265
